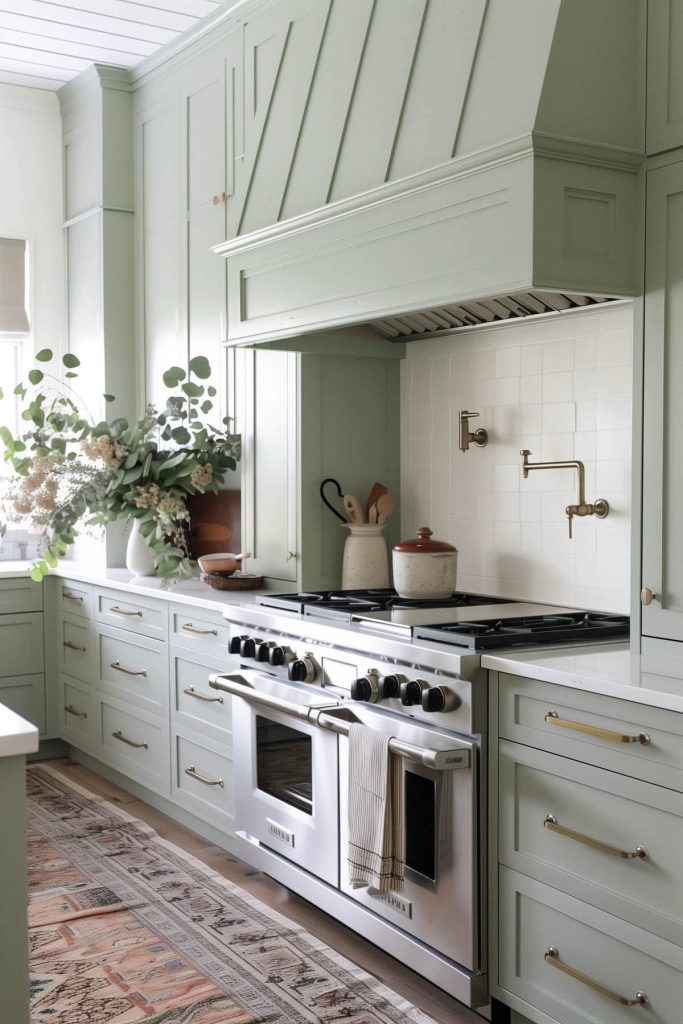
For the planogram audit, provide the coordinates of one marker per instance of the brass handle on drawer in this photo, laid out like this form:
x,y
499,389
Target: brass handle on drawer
x,y
129,671
194,774
74,647
71,597
189,628
552,823
552,957
191,692
72,711
552,718
118,735
123,611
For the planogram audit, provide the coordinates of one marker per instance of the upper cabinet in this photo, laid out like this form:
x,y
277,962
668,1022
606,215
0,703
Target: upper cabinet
x,y
662,538
664,75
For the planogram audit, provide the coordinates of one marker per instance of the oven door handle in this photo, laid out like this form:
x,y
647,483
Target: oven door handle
x,y
456,756
238,685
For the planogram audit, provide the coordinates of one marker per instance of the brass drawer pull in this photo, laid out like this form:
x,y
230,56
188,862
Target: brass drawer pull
x,y
74,647
189,628
194,774
552,957
118,735
122,611
191,692
71,597
129,671
71,710
552,718
552,823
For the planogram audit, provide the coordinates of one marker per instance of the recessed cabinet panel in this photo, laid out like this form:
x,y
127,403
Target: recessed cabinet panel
x,y
196,704
76,650
203,780
664,75
26,696
78,721
128,611
74,599
20,595
21,643
135,743
135,670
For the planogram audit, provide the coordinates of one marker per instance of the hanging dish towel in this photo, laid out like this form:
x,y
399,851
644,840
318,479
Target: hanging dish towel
x,y
376,852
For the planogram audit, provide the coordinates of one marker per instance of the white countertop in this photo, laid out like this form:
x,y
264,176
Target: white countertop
x,y
611,669
192,592
17,736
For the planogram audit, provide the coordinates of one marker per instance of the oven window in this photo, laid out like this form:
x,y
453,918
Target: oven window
x,y
420,815
284,764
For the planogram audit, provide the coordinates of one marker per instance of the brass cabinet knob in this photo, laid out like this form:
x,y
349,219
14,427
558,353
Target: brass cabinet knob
x,y
647,596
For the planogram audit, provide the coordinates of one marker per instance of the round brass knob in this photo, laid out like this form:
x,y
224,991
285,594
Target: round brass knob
x,y
647,596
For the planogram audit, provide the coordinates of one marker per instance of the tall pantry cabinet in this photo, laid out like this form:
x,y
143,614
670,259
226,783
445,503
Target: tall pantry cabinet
x,y
662,540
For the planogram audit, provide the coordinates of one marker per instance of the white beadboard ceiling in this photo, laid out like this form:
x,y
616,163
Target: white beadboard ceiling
x,y
44,43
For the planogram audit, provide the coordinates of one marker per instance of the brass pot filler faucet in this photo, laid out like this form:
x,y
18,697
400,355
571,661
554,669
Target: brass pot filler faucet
x,y
599,508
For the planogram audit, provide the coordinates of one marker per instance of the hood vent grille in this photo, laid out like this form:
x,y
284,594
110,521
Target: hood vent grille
x,y
484,311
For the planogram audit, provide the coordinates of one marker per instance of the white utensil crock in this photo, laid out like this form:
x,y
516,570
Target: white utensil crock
x,y
366,560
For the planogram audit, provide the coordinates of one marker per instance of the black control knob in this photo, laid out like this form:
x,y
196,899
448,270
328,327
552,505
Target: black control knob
x,y
411,692
301,670
235,645
439,698
390,686
277,655
365,688
263,650
248,647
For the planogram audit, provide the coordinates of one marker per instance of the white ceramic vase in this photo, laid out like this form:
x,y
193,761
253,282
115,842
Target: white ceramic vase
x,y
139,556
366,560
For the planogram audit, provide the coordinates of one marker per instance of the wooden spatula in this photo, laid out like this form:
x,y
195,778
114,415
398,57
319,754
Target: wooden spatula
x,y
376,492
385,506
353,509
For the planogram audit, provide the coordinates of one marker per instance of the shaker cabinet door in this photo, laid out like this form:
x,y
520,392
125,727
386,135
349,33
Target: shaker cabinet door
x,y
662,406
664,75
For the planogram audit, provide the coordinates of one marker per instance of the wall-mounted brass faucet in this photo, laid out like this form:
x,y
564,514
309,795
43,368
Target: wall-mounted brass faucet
x,y
599,508
467,437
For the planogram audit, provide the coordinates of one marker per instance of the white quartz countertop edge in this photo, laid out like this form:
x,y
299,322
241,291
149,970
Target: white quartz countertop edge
x,y
17,736
610,669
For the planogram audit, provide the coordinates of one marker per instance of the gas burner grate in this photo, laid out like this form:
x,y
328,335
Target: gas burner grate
x,y
343,603
490,634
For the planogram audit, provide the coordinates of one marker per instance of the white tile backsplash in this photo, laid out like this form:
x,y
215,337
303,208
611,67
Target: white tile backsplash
x,y
560,386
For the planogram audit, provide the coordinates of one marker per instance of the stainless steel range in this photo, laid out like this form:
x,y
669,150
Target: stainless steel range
x,y
305,667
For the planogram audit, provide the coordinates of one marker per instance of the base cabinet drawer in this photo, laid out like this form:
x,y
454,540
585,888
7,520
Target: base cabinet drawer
x,y
195,704
620,735
74,599
20,595
21,643
77,718
577,965
613,841
200,630
130,612
134,669
203,780
135,743
76,649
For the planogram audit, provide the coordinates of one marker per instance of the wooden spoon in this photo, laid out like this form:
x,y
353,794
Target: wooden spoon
x,y
376,492
385,506
353,509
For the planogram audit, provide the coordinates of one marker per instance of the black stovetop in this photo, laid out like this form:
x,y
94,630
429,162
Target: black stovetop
x,y
491,634
342,604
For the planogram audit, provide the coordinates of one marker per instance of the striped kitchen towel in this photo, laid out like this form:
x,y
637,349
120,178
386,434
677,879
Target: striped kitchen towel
x,y
376,851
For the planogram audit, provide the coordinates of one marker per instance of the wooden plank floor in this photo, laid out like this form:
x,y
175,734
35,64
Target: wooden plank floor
x,y
393,973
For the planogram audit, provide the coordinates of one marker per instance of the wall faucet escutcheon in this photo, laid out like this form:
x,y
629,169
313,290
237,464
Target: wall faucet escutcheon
x,y
467,437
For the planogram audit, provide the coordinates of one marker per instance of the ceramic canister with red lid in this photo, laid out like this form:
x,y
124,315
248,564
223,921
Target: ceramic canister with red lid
x,y
424,568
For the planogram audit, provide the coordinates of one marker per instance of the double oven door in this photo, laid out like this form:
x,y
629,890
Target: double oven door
x,y
286,791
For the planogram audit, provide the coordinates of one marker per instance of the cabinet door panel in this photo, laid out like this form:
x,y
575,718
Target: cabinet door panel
x,y
663,410
21,643
22,595
664,75
26,696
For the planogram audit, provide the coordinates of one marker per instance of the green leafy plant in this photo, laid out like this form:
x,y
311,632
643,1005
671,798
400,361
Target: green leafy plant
x,y
71,471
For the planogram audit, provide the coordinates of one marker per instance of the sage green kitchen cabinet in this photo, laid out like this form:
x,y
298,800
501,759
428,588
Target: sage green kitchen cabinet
x,y
304,417
586,830
22,679
662,538
664,75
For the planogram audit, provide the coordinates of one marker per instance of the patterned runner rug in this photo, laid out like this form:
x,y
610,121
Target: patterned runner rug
x,y
126,928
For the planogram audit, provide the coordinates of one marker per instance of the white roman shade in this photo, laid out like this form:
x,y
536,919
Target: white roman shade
x,y
13,316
